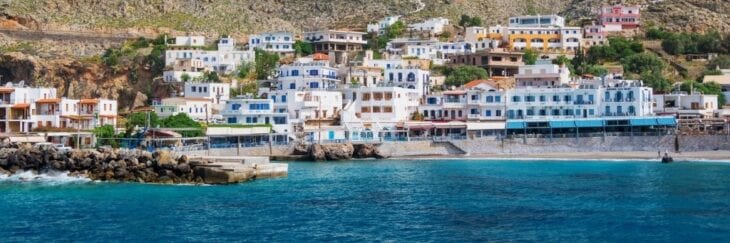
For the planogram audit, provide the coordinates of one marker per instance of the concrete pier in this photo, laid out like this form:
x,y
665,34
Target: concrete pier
x,y
235,169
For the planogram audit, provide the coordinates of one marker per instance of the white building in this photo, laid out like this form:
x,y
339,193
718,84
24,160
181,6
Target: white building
x,y
249,111
684,106
371,110
199,109
23,109
542,75
362,76
474,104
216,93
543,33
584,99
381,25
434,26
278,42
224,60
410,77
188,41
307,73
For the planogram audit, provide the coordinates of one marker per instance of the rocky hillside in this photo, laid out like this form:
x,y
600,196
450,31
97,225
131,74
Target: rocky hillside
x,y
58,42
248,16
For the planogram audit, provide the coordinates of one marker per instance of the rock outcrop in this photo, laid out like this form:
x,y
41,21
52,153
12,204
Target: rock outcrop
x,y
334,152
117,165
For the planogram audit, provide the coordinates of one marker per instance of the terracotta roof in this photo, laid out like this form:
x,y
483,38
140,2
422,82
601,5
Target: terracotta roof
x,y
6,90
477,82
21,105
320,57
48,101
88,101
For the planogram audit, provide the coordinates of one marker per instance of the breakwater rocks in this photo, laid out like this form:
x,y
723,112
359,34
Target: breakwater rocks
x,y
334,152
119,165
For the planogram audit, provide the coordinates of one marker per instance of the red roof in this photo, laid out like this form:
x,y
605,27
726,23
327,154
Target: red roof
x,y
320,57
477,82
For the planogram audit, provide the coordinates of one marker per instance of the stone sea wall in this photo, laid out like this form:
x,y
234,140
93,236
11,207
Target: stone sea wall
x,y
555,145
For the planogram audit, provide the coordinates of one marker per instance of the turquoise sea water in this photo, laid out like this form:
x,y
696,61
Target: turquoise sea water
x,y
418,200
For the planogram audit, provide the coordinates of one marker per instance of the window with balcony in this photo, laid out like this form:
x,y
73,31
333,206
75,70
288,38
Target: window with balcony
x,y
365,96
376,109
388,96
387,109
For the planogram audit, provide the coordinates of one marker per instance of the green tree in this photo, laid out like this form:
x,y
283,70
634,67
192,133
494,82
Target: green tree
x,y
722,61
643,62
674,44
710,88
561,60
105,135
530,56
211,77
656,81
140,119
182,120
244,70
464,74
469,21
266,64
302,48
396,29
597,70
185,77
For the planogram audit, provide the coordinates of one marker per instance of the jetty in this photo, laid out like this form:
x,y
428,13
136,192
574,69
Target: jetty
x,y
236,169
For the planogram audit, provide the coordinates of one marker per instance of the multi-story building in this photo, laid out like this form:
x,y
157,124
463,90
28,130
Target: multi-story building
x,y
433,26
594,35
498,61
585,99
372,110
686,106
307,73
388,63
251,111
216,93
337,44
381,25
199,109
410,77
481,103
278,42
23,109
619,17
362,76
184,70
543,74
225,59
543,33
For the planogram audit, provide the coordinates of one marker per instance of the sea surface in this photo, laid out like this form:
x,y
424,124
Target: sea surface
x,y
391,200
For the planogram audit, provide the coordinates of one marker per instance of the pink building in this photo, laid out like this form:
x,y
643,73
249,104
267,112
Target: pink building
x,y
619,17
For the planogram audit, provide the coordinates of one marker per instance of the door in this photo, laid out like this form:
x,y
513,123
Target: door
x,y
585,113
331,135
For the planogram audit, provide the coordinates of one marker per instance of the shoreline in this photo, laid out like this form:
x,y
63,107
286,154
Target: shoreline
x,y
695,156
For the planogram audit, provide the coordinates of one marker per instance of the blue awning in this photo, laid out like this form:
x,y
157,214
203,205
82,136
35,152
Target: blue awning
x,y
666,121
515,125
589,123
643,121
562,124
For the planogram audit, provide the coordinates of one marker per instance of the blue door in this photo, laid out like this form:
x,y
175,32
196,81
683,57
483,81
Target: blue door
x,y
331,135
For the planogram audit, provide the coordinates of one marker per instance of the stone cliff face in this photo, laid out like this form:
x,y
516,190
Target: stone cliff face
x,y
79,79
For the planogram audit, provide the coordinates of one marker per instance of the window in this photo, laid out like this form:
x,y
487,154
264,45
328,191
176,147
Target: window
x,y
376,109
292,86
515,98
542,98
498,113
232,120
295,72
490,99
411,77
388,96
474,111
235,107
314,85
365,96
568,98
400,77
556,98
497,98
283,98
488,113
387,109
474,97
194,89
314,72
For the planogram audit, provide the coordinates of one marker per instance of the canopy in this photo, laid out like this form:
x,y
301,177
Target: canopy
x,y
642,121
485,125
562,124
515,125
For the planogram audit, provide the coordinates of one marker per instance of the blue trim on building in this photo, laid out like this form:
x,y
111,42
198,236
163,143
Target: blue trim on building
x,y
590,123
515,125
562,124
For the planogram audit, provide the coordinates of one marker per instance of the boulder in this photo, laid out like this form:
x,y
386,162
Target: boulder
x,y
300,149
316,153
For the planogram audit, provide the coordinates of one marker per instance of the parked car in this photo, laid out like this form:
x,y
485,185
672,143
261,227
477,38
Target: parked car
x,y
62,148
